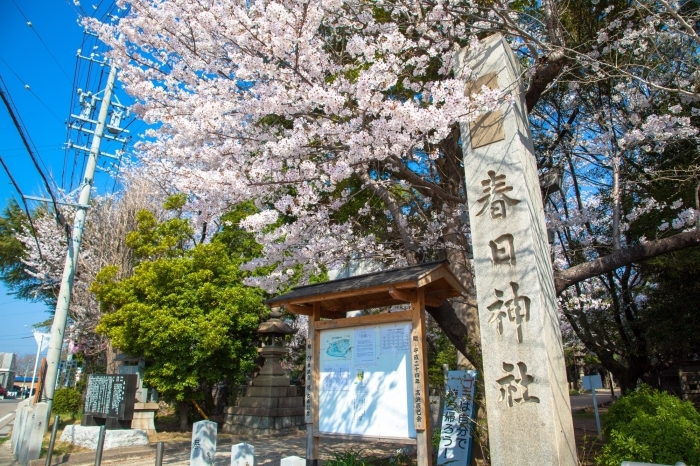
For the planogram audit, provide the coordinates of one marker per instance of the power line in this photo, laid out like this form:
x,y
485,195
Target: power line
x,y
26,208
31,26
27,87
6,99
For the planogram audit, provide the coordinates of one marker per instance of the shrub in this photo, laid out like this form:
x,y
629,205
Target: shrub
x,y
66,401
651,426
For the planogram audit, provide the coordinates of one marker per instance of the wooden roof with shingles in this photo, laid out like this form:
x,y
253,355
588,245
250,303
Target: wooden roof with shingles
x,y
378,289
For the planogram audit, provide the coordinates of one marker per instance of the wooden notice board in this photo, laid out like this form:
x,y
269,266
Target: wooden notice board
x,y
366,376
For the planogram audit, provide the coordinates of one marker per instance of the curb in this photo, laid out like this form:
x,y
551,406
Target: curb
x,y
589,409
111,454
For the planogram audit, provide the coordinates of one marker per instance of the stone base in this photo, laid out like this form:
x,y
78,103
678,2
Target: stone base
x,y
144,413
263,425
87,437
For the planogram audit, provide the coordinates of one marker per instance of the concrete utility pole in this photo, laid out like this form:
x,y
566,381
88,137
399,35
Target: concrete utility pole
x,y
59,320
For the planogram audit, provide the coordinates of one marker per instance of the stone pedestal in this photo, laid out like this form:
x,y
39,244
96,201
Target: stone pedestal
x,y
144,414
87,437
266,410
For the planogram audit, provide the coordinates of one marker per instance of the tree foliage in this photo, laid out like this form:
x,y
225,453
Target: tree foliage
x,y
652,427
184,309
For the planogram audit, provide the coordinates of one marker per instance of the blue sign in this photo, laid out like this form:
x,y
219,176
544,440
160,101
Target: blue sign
x,y
457,419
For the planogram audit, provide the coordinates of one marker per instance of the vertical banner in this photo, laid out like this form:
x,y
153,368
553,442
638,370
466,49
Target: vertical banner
x,y
309,380
417,377
457,419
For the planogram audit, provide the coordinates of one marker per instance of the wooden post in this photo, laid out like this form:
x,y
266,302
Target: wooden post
x,y
312,380
419,363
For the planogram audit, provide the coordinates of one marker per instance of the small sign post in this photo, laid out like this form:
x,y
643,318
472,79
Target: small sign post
x,y
592,382
457,419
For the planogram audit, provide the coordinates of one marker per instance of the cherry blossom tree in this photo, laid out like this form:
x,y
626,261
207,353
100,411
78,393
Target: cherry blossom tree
x,y
339,119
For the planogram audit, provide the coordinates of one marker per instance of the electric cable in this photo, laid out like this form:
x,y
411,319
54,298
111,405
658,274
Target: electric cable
x,y
28,87
24,202
31,26
8,104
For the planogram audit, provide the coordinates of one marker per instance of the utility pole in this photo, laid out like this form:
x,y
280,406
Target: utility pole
x,y
64,295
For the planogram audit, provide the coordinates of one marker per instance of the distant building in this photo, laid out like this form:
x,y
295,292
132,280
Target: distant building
x,y
683,381
7,370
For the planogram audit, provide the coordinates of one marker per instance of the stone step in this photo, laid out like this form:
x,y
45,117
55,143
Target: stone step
x,y
275,392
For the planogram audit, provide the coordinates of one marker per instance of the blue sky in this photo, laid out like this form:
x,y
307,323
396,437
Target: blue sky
x,y
40,71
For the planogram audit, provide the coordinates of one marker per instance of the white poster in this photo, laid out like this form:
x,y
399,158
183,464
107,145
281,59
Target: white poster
x,y
363,392
365,347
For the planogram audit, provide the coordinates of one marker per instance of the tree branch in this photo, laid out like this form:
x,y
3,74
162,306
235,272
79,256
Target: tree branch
x,y
447,318
565,278
546,71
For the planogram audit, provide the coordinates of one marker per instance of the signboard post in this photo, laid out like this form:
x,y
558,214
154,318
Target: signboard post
x,y
457,419
592,382
109,400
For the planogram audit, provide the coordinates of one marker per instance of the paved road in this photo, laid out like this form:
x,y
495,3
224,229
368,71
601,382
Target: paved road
x,y
586,400
7,415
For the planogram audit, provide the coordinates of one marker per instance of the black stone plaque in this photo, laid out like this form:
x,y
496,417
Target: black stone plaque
x,y
109,400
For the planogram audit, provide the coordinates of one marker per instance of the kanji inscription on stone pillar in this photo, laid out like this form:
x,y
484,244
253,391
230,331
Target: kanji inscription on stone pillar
x,y
527,398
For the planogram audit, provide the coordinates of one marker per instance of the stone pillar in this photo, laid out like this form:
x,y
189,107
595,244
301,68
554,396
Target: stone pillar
x,y
144,416
527,400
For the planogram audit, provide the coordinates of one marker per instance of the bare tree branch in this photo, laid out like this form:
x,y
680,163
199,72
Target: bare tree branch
x,y
565,278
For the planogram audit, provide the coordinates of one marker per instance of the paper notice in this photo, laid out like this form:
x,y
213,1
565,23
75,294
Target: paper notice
x,y
365,347
395,339
336,378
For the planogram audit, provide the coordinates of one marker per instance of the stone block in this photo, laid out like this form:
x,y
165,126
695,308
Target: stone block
x,y
292,461
23,446
257,402
260,425
203,443
23,411
144,420
270,381
291,402
268,391
87,437
36,434
242,454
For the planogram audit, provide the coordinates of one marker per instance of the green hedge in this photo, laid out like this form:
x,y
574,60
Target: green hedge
x,y
67,401
651,426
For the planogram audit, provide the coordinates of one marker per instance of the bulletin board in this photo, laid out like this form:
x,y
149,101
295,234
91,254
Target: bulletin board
x,y
365,381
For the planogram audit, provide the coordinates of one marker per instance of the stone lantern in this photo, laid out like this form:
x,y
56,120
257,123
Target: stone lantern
x,y
270,404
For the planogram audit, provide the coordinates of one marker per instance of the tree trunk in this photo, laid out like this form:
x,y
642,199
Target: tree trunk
x,y
184,411
111,356
626,378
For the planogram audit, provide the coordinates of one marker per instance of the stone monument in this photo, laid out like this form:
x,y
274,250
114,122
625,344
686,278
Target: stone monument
x,y
109,400
242,454
270,404
203,443
527,399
